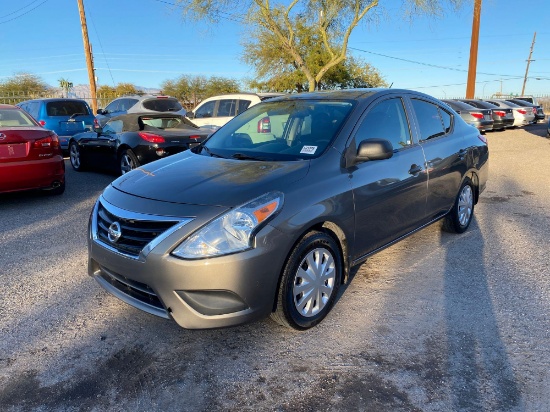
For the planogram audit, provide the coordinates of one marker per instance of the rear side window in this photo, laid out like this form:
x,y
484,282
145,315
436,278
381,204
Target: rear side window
x,y
243,105
162,105
66,108
227,107
433,121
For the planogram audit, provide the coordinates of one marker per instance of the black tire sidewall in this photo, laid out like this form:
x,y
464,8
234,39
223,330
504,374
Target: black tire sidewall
x,y
309,242
131,155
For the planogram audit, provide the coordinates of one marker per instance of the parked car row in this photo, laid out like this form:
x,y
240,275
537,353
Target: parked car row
x,y
497,114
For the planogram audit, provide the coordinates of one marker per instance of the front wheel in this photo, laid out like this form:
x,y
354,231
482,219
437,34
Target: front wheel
x,y
310,282
128,161
460,216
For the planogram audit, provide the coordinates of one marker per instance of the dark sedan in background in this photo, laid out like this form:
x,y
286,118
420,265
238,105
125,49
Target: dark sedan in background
x,y
503,117
481,119
129,141
254,223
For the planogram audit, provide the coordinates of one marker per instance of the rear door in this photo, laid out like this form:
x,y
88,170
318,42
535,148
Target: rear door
x,y
444,151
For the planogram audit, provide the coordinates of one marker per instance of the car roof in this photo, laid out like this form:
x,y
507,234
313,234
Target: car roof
x,y
9,106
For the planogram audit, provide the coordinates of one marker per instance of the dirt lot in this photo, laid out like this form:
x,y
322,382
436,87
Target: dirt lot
x,y
438,322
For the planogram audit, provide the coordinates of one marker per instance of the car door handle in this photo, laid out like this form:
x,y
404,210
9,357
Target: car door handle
x,y
415,169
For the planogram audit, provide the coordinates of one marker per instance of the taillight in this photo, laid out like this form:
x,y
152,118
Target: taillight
x,y
477,115
96,123
42,123
195,137
151,137
48,142
499,113
522,111
534,110
264,125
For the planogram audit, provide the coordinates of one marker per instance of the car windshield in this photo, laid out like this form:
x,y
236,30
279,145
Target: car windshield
x,y
66,108
15,118
279,130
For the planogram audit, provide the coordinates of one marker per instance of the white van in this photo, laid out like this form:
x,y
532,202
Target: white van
x,y
218,110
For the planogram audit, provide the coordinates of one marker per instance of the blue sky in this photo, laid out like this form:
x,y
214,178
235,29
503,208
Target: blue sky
x,y
145,42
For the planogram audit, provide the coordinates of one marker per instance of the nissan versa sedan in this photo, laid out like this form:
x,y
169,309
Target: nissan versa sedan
x,y
270,213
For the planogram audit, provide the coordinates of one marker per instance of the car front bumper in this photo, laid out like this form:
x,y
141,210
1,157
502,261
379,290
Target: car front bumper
x,y
198,294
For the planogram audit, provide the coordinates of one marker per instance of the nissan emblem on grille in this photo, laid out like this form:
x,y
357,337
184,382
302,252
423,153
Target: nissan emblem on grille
x,y
114,232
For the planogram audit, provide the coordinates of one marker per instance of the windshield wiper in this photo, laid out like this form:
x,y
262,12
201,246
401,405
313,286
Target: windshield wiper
x,y
241,156
212,154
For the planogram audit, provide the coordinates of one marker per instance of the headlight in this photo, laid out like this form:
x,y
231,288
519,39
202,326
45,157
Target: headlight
x,y
233,231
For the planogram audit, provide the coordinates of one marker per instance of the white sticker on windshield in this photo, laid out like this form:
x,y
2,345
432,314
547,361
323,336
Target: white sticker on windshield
x,y
309,149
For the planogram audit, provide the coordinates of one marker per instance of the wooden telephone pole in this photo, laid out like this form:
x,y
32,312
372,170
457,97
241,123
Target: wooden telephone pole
x,y
472,67
528,61
88,53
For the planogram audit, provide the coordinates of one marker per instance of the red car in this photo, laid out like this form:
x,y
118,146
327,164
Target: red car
x,y
30,156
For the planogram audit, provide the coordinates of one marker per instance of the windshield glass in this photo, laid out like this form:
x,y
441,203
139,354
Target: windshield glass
x,y
283,130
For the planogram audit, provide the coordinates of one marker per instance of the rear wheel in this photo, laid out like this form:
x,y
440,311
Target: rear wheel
x,y
460,216
128,161
310,282
75,157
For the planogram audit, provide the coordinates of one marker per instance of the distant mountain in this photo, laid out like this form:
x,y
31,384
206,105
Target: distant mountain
x,y
83,90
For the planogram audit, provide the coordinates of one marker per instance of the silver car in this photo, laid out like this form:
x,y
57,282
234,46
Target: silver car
x,y
270,213
139,104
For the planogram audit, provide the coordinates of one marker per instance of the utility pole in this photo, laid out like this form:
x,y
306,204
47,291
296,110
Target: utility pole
x,y
528,61
472,67
88,53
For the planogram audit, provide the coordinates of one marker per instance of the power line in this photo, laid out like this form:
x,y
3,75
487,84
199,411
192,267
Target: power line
x,y
18,10
426,64
21,15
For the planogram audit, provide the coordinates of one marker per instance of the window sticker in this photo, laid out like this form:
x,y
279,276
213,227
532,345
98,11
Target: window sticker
x,y
308,150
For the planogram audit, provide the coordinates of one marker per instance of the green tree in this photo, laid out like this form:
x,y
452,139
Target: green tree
x,y
290,25
23,86
65,85
191,90
278,72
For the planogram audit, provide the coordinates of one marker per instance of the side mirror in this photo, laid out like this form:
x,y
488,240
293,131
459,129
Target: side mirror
x,y
373,149
190,115
101,111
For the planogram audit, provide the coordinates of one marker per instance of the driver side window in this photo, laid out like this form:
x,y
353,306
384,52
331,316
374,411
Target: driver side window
x,y
386,120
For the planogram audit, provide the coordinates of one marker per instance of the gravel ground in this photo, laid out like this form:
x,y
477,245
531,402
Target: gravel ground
x,y
438,322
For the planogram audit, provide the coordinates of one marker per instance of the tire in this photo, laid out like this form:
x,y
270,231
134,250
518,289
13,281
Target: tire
x,y
75,157
460,216
301,304
127,161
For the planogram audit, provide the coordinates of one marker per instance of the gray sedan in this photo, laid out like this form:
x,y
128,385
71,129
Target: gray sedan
x,y
269,215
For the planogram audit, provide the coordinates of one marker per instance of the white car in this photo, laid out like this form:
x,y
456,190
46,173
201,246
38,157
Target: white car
x,y
522,115
218,110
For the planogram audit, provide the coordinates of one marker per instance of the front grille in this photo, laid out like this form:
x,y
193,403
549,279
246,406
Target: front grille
x,y
136,290
135,233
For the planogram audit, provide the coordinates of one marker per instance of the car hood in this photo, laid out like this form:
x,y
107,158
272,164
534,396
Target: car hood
x,y
188,178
